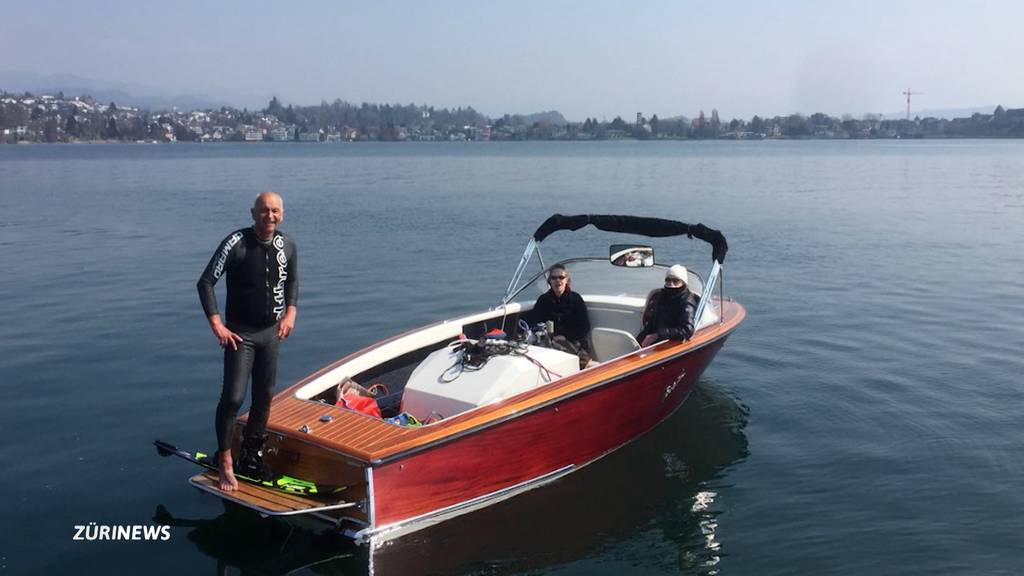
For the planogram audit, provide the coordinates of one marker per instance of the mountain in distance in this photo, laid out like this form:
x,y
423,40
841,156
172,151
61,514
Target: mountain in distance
x,y
121,93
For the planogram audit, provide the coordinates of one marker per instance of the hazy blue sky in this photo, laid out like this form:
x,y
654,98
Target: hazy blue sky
x,y
594,58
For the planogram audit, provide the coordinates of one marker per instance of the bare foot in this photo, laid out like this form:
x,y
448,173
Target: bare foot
x,y
226,471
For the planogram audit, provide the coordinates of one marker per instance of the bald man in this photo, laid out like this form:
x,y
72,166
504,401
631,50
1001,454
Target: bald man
x,y
262,290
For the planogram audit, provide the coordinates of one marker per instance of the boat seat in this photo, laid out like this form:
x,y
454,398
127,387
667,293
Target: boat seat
x,y
608,343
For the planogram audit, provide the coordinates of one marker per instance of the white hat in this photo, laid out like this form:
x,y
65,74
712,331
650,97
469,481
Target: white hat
x,y
678,272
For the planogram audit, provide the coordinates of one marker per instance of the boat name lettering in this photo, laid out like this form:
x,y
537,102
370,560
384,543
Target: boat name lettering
x,y
672,386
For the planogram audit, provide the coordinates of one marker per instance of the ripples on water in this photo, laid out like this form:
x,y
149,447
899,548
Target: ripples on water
x,y
864,419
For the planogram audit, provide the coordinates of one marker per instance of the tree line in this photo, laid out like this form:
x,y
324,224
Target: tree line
x,y
54,118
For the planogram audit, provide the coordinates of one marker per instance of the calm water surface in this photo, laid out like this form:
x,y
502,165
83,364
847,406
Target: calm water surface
x,y
865,419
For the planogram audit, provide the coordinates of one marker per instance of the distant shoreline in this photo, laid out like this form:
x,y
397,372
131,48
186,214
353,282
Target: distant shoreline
x,y
485,142
57,118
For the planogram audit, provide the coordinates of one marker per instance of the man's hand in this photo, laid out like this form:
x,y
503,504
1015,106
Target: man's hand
x,y
224,336
648,340
287,324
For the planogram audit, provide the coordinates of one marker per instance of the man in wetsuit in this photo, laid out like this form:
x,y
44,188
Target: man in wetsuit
x,y
262,290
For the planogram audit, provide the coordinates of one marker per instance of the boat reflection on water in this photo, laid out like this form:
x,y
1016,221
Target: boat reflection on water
x,y
657,499
240,540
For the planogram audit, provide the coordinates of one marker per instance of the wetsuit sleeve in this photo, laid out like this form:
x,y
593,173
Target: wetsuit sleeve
x,y
221,261
291,289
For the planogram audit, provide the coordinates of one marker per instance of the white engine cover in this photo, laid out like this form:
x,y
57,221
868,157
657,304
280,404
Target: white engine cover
x,y
435,387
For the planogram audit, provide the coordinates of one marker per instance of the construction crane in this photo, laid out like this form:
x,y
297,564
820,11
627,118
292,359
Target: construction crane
x,y
908,94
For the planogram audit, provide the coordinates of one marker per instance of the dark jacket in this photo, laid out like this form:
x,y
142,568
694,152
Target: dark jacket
x,y
568,312
669,314
263,279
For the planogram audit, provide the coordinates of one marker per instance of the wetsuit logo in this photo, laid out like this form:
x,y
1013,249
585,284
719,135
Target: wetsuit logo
x,y
225,250
282,276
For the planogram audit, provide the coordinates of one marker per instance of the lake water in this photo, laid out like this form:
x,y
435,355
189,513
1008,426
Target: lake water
x,y
865,419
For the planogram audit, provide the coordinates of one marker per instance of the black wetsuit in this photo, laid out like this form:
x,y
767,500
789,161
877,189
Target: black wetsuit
x,y
262,282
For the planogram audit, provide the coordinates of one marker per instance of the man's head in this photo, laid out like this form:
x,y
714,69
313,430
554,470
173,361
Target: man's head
x,y
676,276
558,279
267,213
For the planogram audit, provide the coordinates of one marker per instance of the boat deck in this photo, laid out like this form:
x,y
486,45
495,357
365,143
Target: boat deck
x,y
369,440
357,435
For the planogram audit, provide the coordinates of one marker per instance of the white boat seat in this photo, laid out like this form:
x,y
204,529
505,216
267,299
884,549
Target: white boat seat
x,y
608,343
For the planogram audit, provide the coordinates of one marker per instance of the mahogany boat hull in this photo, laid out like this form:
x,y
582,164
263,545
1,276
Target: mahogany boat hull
x,y
533,447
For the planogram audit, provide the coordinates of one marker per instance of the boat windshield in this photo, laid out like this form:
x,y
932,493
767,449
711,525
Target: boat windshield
x,y
598,276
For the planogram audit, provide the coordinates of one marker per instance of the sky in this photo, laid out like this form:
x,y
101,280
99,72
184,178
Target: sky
x,y
596,58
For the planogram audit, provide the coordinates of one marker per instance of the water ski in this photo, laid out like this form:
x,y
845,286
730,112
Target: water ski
x,y
277,481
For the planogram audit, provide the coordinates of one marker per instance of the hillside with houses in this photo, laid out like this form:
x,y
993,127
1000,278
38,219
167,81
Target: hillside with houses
x,y
28,117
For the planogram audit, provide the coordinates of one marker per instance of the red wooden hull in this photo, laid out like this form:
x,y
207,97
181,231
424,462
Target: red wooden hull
x,y
525,449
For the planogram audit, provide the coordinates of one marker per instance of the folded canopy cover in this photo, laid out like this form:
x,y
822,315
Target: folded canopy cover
x,y
654,227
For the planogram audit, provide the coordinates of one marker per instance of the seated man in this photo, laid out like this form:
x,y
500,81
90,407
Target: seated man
x,y
670,310
567,311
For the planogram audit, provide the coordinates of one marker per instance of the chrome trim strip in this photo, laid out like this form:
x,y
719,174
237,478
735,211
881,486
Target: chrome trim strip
x,y
266,512
370,504
495,422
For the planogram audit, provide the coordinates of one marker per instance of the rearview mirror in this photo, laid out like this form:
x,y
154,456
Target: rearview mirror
x,y
631,256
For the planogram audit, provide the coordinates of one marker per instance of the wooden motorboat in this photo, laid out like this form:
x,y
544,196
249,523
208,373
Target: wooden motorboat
x,y
524,416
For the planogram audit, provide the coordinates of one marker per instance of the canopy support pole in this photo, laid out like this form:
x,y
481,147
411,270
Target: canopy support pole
x,y
531,246
721,296
709,290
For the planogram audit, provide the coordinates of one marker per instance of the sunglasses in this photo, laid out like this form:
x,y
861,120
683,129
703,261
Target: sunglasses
x,y
673,281
550,278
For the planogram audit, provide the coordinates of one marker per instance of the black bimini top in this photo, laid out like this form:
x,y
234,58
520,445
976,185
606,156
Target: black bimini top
x,y
654,227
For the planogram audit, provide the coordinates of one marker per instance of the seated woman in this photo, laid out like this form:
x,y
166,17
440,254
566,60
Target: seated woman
x,y
567,311
670,310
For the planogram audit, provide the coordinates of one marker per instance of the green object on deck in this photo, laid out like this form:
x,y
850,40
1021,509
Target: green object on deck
x,y
279,482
